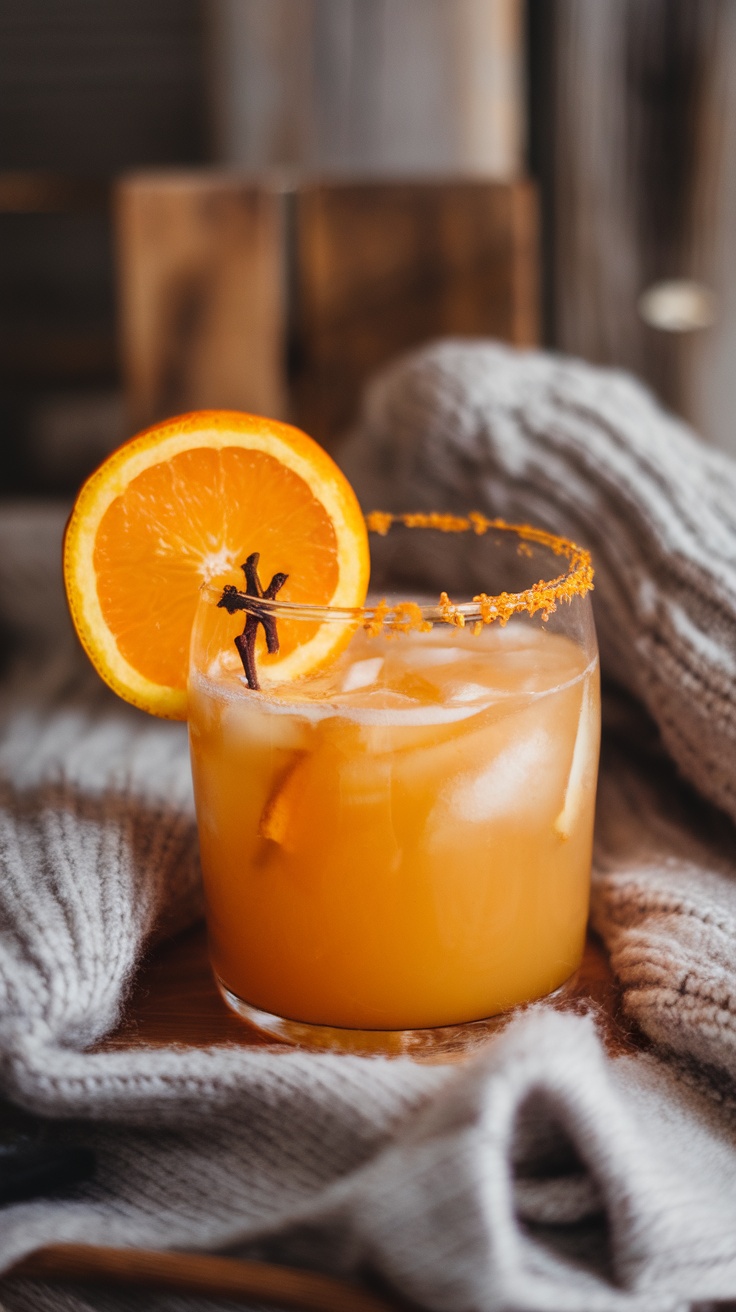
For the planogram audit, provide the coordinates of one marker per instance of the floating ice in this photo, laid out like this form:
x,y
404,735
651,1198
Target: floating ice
x,y
502,786
361,674
266,726
464,693
583,760
387,707
435,655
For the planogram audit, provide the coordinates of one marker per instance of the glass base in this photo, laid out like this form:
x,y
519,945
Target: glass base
x,y
441,1044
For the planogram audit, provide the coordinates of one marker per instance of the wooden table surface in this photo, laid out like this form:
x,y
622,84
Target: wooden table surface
x,y
175,1000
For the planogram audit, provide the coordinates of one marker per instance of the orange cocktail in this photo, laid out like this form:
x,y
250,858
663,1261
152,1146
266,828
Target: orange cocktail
x,y
395,799
401,840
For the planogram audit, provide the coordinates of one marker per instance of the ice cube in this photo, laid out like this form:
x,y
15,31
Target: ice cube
x,y
436,655
503,786
512,770
584,756
361,674
267,726
464,693
419,691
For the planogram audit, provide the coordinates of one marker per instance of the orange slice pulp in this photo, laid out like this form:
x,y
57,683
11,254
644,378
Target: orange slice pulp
x,y
185,502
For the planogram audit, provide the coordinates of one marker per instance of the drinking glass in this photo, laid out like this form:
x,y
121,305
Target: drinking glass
x,y
397,847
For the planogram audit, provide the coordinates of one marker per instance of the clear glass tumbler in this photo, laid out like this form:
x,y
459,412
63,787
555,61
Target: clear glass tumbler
x,y
399,844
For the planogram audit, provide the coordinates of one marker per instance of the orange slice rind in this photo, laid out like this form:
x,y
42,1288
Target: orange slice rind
x,y
185,502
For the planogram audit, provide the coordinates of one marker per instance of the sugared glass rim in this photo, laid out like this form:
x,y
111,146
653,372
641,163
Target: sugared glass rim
x,y
403,616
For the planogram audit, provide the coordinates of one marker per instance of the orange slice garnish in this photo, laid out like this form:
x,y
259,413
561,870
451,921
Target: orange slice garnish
x,y
185,502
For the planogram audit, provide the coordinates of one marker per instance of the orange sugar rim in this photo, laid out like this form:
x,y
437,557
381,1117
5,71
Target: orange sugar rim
x,y
484,609
408,616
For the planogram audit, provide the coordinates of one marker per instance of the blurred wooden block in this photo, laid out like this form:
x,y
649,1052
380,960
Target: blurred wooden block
x,y
200,267
38,191
237,292
385,266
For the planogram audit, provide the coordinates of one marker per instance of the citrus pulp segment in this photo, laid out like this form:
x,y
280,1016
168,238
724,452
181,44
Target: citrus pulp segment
x,y
184,503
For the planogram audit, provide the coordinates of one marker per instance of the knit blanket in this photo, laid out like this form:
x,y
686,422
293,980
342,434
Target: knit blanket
x,y
544,1174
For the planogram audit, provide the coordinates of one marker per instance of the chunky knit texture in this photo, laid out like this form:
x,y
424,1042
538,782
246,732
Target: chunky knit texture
x,y
585,452
544,1175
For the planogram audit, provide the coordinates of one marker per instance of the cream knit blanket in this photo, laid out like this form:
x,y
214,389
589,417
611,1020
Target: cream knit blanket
x,y
544,1174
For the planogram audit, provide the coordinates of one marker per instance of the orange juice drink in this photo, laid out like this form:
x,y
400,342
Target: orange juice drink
x,y
401,840
394,798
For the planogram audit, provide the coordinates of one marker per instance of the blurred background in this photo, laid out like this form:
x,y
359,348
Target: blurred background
x,y
257,202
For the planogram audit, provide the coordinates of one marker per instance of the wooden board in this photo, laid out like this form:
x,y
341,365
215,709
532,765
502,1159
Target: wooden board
x,y
201,299
237,291
385,266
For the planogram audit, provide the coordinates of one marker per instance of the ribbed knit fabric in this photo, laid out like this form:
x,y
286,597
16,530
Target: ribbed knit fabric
x,y
542,1176
587,452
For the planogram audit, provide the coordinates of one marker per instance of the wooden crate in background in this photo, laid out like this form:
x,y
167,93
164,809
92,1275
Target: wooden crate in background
x,y
237,290
385,266
200,270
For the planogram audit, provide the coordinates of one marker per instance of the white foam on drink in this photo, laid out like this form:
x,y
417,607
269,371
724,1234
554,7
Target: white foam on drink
x,y
380,707
365,691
